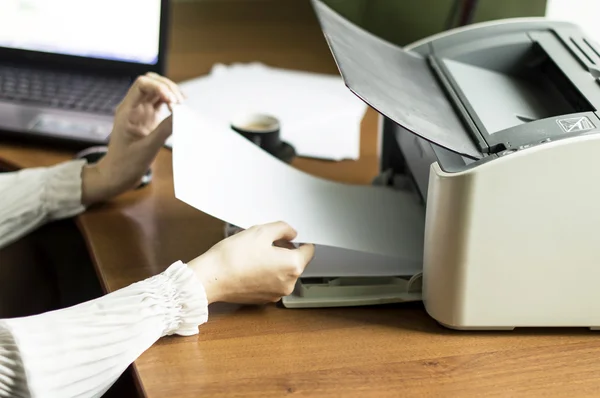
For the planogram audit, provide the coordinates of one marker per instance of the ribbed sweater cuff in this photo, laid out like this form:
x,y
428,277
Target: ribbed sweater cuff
x,y
62,192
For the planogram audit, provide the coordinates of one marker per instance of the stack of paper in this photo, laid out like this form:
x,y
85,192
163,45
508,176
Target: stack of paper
x,y
319,116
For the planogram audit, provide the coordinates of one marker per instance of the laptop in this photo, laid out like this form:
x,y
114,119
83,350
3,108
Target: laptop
x,y
65,65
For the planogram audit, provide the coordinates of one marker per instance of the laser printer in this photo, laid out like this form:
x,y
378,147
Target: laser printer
x,y
495,129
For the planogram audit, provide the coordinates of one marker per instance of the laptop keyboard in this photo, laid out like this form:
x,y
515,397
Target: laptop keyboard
x,y
62,90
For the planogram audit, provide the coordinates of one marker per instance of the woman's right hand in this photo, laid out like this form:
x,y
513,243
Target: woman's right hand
x,y
252,267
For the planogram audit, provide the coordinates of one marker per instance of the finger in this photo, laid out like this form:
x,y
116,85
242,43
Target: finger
x,y
169,83
153,91
153,88
278,230
161,133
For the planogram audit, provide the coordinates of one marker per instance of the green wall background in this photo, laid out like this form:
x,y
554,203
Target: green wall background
x,y
404,21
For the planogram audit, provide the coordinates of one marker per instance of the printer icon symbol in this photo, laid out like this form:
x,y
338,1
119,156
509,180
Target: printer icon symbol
x,y
575,124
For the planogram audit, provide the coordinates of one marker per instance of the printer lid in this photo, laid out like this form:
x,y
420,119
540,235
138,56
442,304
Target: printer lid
x,y
396,83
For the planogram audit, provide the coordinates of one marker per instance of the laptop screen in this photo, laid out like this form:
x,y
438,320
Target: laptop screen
x,y
118,30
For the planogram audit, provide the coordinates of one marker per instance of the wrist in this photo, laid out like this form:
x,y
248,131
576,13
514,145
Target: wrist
x,y
94,185
206,271
99,183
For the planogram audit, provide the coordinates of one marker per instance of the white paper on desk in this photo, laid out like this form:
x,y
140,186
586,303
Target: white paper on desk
x,y
221,173
319,116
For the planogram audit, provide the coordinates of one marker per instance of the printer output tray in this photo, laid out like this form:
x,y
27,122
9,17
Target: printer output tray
x,y
397,83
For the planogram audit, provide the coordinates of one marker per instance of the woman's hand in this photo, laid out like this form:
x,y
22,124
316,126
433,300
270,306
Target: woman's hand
x,y
135,140
251,267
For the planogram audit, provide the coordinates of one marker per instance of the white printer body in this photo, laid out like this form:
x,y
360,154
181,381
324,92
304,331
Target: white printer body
x,y
495,129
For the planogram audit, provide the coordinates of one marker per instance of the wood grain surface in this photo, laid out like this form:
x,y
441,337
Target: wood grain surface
x,y
269,351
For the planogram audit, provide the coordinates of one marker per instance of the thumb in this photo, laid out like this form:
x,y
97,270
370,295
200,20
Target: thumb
x,y
160,134
306,253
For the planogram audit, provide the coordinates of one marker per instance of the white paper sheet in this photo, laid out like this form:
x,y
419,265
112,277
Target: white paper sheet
x,y
221,173
319,116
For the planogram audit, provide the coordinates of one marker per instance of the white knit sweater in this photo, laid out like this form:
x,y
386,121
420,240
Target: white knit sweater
x,y
80,351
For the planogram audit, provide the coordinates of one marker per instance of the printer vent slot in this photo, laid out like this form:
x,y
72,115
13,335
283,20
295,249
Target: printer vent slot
x,y
592,47
583,51
586,53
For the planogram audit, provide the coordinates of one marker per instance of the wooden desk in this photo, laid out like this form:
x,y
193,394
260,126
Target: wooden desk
x,y
268,351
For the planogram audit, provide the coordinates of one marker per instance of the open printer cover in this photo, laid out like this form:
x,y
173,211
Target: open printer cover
x,y
494,128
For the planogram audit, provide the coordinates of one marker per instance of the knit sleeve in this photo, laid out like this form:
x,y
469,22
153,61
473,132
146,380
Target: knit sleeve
x,y
80,351
31,197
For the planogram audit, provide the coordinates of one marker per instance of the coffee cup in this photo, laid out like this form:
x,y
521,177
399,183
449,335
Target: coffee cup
x,y
261,129
264,131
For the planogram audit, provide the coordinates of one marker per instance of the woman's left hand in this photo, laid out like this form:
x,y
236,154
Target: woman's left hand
x,y
137,136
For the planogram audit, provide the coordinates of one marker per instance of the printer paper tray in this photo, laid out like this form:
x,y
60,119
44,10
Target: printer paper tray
x,y
332,262
397,83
